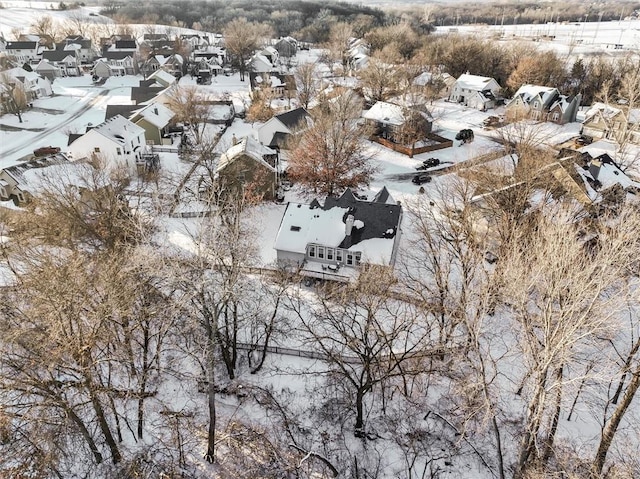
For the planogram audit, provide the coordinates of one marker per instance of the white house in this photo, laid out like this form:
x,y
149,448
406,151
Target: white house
x,y
34,85
332,240
260,63
19,182
475,91
543,104
117,140
273,133
24,52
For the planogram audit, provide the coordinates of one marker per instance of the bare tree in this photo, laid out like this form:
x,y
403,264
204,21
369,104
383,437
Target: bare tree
x,y
191,108
330,155
367,338
242,38
13,96
308,83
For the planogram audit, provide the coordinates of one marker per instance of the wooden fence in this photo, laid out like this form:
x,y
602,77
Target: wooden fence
x,y
441,143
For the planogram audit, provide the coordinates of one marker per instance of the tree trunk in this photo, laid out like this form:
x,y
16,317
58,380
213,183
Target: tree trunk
x,y
85,433
210,456
532,428
359,428
548,447
611,426
104,425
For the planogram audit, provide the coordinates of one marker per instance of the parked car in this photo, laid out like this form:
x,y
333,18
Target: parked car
x,y
419,179
583,140
466,135
46,150
431,162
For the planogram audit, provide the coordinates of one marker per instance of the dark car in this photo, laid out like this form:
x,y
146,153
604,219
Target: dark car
x,y
465,135
431,162
419,179
46,150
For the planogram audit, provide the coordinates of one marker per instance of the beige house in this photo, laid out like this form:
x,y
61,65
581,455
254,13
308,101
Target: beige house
x,y
248,164
543,103
607,122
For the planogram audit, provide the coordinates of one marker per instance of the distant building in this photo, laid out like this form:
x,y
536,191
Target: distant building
x,y
275,131
543,104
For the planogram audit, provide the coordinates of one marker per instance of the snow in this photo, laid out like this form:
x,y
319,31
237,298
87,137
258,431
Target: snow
x,y
385,113
323,227
157,114
473,82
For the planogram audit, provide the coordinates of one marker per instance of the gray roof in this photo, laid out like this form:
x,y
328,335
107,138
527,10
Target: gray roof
x,y
293,118
381,219
21,45
57,55
124,110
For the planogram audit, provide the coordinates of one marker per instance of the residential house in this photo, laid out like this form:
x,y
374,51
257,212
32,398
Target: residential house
x,y
121,55
18,182
82,46
48,70
271,54
210,53
475,91
358,54
334,239
154,119
119,141
66,60
124,110
612,123
543,104
282,85
439,82
145,92
275,131
24,52
162,78
196,41
249,165
260,63
34,85
390,121
103,69
287,47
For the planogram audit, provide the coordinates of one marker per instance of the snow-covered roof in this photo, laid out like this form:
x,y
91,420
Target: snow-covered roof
x,y
250,147
156,113
118,129
473,82
384,112
163,77
529,92
374,231
608,112
20,72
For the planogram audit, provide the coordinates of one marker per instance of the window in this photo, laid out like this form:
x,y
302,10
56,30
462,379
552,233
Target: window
x,y
339,255
96,150
556,116
320,252
349,259
358,256
330,254
536,105
295,228
312,251
118,151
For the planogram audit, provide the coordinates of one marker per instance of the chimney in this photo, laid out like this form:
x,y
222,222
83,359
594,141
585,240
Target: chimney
x,y
349,224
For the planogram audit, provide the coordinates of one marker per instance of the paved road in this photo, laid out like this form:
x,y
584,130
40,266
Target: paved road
x,y
96,98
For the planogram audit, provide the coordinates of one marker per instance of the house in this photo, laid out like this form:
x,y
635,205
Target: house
x,y
119,141
82,46
438,82
543,104
145,92
66,60
287,47
34,85
475,91
120,62
334,239
124,110
248,164
612,123
260,63
282,85
162,78
154,119
389,120
18,182
48,70
24,52
274,132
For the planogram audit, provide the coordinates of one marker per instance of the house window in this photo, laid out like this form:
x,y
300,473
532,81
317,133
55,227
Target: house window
x,y
339,255
330,254
349,259
96,150
357,258
320,252
312,251
118,151
295,228
536,105
556,116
